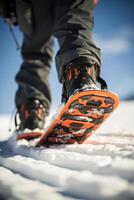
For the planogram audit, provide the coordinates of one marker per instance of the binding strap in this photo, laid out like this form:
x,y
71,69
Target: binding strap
x,y
102,83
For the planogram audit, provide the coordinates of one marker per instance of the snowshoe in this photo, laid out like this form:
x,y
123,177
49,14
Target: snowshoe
x,y
86,107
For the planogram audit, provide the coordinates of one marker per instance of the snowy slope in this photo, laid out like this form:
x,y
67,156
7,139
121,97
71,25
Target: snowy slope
x,y
101,169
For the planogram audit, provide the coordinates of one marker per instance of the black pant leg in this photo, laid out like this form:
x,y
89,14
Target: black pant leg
x,y
73,28
32,78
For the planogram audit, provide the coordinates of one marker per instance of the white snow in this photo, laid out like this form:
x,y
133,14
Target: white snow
x,y
100,169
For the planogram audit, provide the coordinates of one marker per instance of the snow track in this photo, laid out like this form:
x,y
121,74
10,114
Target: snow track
x,y
103,169
15,186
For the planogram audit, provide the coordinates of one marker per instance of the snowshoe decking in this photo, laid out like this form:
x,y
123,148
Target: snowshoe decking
x,y
83,113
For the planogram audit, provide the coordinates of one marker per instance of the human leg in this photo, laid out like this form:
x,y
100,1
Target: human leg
x,y
73,28
33,86
86,106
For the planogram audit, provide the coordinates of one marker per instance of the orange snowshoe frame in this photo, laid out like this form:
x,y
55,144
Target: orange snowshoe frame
x,y
83,113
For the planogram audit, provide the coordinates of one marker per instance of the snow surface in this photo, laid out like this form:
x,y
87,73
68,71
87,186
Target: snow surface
x,y
101,169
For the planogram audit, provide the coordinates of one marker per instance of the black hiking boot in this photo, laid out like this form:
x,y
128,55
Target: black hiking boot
x,y
32,120
81,78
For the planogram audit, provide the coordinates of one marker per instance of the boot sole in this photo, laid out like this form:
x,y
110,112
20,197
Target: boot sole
x,y
83,113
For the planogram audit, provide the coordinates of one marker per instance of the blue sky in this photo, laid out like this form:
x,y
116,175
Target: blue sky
x,y
113,32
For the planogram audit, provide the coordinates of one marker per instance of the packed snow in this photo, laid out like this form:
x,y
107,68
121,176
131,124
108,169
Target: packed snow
x,y
100,169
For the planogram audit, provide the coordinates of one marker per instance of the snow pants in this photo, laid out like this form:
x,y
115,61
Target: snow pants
x,y
71,22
